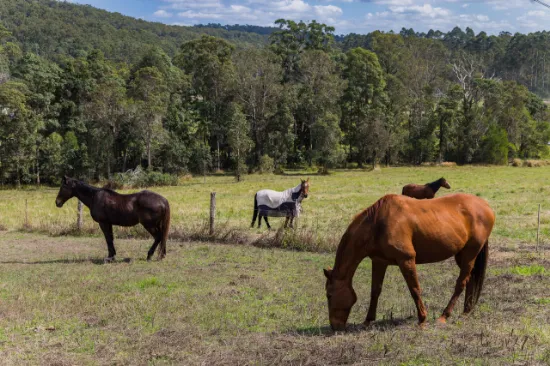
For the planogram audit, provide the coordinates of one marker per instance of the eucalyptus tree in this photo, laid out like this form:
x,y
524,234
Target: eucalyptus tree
x,y
364,103
208,61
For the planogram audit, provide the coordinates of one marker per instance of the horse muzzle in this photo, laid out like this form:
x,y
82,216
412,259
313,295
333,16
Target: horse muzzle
x,y
58,203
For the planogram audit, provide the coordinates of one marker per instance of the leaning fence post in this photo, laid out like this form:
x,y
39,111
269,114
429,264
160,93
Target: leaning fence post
x,y
79,217
538,230
212,212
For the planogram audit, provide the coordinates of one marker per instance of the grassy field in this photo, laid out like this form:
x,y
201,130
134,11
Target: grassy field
x,y
514,194
240,305
212,304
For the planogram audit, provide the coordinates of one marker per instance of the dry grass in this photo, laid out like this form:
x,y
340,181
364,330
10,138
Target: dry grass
x,y
239,305
530,163
334,200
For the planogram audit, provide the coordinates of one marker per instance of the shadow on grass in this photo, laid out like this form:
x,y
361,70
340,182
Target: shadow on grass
x,y
97,261
381,326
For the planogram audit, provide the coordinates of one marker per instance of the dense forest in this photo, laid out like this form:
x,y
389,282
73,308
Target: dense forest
x,y
89,93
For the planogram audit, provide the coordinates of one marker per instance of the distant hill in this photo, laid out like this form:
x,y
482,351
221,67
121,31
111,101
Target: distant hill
x,y
53,28
264,31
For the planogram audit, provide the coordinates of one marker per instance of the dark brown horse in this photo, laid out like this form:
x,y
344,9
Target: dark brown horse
x,y
426,191
109,208
402,231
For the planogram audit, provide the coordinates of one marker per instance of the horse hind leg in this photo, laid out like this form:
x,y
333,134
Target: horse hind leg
x,y
157,235
267,223
465,261
286,221
408,269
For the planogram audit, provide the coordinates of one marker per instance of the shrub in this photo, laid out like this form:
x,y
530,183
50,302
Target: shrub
x,y
279,170
267,165
139,178
517,162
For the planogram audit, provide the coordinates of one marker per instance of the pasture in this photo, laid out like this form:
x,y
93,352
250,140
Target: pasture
x,y
234,304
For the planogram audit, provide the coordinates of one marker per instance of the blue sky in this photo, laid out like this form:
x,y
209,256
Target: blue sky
x,y
359,16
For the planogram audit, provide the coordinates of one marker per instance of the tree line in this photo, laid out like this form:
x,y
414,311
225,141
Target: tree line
x,y
300,101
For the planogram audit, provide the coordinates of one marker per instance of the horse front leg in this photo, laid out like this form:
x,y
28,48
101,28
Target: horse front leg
x,y
108,233
286,221
292,221
378,274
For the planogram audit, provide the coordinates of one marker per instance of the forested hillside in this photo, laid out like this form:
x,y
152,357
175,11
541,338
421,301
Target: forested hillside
x,y
90,94
52,28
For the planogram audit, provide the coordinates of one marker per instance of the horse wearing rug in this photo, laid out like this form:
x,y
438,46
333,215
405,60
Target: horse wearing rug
x,y
279,204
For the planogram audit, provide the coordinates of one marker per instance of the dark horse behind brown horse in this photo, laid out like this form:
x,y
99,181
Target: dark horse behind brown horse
x,y
402,231
425,191
109,208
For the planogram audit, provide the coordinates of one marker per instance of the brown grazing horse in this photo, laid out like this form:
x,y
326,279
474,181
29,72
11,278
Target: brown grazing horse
x,y
426,191
398,230
109,208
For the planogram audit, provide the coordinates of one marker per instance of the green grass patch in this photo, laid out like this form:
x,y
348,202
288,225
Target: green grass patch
x,y
529,270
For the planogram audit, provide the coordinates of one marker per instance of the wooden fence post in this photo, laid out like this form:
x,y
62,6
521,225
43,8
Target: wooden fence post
x,y
79,216
212,212
26,213
538,229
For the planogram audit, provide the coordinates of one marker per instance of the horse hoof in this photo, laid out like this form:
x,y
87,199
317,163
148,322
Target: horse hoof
x,y
441,320
109,260
422,326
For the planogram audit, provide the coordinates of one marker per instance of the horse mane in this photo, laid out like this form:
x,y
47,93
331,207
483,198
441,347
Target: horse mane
x,y
436,184
369,215
366,216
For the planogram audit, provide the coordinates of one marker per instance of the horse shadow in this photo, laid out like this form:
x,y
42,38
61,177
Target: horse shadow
x,y
379,326
96,261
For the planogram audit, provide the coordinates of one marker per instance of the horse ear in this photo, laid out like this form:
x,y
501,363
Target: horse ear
x,y
328,272
64,179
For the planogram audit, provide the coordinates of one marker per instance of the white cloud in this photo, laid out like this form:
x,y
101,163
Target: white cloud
x,y
328,10
363,16
425,10
162,14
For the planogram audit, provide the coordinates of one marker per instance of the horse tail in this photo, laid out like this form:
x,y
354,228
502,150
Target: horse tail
x,y
165,227
475,284
255,214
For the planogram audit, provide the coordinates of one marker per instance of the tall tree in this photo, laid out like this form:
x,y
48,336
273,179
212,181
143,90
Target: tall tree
x,y
150,93
363,105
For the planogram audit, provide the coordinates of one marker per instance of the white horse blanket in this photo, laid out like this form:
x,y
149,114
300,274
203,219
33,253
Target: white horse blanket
x,y
273,203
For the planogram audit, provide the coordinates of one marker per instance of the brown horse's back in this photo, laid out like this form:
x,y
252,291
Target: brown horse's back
x,y
418,191
431,230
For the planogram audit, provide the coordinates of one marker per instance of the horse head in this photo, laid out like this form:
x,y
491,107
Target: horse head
x,y
66,191
341,297
443,183
304,189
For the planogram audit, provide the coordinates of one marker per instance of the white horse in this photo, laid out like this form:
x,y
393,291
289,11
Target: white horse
x,y
279,204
